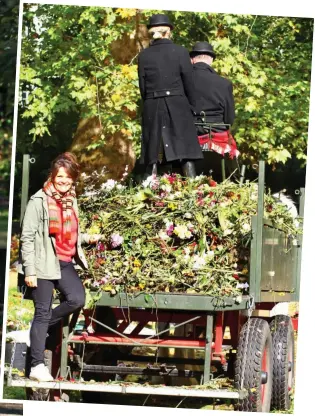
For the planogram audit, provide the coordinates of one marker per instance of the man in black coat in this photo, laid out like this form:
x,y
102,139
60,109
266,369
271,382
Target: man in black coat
x,y
214,108
214,94
167,90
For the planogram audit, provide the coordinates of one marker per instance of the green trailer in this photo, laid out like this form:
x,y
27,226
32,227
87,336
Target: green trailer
x,y
236,338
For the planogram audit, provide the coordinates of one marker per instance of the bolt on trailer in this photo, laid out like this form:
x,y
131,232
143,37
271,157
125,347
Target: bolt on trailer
x,y
262,373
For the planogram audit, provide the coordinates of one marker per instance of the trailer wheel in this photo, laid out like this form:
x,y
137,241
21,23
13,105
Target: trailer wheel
x,y
254,364
38,394
283,361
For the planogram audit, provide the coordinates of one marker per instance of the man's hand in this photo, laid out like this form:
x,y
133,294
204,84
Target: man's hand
x,y
31,281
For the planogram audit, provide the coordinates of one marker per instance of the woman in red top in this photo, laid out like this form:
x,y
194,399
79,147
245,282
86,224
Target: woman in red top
x,y
50,244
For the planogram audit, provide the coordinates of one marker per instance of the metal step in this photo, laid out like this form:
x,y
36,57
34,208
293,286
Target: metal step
x,y
129,389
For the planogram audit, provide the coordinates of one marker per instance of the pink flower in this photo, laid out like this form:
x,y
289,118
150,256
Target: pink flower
x,y
170,229
100,246
116,240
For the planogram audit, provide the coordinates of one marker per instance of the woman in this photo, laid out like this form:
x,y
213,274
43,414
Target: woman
x,y
50,241
166,87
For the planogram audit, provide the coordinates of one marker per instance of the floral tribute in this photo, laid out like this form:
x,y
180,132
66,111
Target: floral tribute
x,y
170,234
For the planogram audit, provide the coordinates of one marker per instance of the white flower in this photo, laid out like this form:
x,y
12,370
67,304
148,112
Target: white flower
x,y
190,227
90,193
109,185
151,182
84,175
246,227
227,232
188,215
187,251
198,262
166,187
120,187
182,231
209,254
163,235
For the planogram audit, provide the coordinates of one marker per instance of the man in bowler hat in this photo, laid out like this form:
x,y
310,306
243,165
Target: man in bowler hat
x,y
214,108
166,86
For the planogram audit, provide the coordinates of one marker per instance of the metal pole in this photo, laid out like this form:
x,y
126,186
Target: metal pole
x,y
25,184
64,348
208,345
260,226
299,247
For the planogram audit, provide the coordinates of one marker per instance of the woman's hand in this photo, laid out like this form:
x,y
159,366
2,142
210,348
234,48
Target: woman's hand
x,y
31,281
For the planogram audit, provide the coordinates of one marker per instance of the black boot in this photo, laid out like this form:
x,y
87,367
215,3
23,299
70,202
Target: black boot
x,y
188,168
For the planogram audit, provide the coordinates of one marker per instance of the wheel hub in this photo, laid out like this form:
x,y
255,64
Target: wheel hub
x,y
264,377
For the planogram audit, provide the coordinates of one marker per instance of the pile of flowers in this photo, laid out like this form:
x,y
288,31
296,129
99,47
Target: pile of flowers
x,y
171,234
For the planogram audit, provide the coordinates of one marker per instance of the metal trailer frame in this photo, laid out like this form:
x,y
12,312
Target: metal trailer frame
x,y
266,287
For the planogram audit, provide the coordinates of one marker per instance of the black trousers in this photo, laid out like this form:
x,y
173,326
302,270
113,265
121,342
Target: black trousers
x,y
45,317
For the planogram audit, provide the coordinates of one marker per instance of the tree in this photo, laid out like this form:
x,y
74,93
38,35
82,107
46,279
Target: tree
x,y
84,60
8,40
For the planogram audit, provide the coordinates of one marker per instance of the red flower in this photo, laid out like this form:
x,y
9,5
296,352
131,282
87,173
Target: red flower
x,y
236,276
212,183
171,178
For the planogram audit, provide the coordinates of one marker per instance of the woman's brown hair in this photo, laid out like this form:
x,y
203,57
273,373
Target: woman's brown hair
x,y
69,162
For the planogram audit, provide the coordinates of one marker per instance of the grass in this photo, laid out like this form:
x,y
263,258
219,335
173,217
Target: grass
x,y
14,393
20,311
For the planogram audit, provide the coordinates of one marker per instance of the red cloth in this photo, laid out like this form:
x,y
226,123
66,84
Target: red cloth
x,y
66,249
219,142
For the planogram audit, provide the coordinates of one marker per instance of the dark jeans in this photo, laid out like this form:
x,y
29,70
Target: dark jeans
x,y
45,317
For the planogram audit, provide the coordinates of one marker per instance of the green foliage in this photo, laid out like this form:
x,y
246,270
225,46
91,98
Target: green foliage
x,y
8,38
69,63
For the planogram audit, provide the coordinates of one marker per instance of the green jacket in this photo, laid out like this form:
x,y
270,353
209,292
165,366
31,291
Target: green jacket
x,y
38,252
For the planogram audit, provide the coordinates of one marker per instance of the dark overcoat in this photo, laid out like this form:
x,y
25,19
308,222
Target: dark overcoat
x,y
214,95
167,90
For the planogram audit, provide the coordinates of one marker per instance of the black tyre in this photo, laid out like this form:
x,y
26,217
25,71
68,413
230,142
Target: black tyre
x,y
253,366
38,394
283,361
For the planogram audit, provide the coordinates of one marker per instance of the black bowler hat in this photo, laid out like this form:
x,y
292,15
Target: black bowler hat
x,y
159,20
202,48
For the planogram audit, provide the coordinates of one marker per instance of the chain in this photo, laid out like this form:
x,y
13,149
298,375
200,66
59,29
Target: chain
x,y
250,311
12,359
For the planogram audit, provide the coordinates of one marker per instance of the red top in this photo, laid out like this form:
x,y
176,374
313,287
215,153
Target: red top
x,y
66,249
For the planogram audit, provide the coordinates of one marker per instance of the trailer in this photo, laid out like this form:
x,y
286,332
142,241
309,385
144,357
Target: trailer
x,y
234,338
